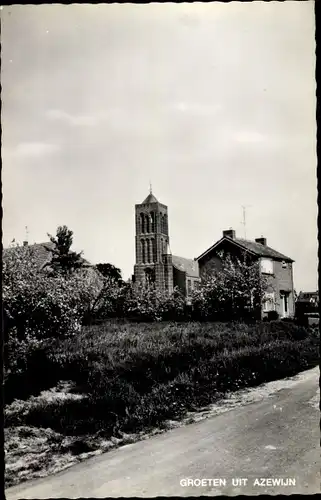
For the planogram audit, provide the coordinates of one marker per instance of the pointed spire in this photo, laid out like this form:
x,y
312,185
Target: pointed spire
x,y
150,198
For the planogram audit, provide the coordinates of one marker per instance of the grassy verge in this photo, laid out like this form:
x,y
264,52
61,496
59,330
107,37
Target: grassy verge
x,y
126,379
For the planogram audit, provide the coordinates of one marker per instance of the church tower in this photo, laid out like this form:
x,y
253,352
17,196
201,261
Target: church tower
x,y
153,260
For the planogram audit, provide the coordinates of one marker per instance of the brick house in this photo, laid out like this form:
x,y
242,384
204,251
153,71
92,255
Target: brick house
x,y
154,262
276,267
43,255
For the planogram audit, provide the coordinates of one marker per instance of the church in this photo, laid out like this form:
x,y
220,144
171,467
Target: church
x,y
156,264
154,260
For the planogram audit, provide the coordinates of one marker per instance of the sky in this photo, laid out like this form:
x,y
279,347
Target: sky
x,y
214,103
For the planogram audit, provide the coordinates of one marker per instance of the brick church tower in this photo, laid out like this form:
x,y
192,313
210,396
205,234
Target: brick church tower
x,y
153,259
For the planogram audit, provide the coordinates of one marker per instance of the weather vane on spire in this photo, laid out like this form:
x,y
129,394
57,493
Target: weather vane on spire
x,y
150,187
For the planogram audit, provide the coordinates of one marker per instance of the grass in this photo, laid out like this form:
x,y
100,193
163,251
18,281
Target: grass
x,y
125,379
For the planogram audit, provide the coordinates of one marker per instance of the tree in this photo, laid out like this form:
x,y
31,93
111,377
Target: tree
x,y
111,273
109,300
234,291
64,261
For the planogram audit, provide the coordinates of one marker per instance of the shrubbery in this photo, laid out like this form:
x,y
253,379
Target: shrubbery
x,y
136,376
150,304
42,309
235,292
138,303
38,307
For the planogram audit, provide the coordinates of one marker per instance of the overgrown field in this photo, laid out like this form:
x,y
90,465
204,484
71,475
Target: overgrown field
x,y
129,378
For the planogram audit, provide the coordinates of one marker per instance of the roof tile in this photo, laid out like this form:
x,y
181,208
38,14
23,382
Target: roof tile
x,y
262,250
150,199
190,266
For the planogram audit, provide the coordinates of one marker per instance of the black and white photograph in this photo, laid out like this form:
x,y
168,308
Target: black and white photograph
x,y
160,302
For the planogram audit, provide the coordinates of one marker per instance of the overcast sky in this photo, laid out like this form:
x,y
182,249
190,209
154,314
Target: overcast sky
x,y
215,103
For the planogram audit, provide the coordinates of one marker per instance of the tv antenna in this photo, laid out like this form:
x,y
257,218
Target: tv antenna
x,y
27,233
244,207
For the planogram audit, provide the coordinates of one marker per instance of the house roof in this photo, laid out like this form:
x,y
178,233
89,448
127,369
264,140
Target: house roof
x,y
262,250
251,246
150,199
189,266
43,256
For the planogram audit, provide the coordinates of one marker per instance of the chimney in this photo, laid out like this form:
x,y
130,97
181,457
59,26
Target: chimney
x,y
229,233
25,243
261,240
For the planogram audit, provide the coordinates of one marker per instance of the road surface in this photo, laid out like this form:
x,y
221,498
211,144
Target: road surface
x,y
275,438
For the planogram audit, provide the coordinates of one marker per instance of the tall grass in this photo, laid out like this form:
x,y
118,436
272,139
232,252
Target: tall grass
x,y
136,376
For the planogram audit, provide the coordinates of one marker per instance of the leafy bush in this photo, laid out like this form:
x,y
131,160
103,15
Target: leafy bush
x,y
149,304
234,292
38,307
111,301
139,303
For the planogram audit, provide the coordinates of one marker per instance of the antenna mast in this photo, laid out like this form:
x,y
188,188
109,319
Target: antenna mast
x,y
244,207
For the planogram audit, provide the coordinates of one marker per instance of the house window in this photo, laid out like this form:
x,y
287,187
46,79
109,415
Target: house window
x,y
266,266
269,302
284,264
189,286
284,296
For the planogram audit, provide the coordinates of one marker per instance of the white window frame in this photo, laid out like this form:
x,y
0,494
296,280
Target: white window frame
x,y
267,266
269,302
285,299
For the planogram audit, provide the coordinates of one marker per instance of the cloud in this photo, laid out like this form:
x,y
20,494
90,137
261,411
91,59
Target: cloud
x,y
249,137
73,120
33,149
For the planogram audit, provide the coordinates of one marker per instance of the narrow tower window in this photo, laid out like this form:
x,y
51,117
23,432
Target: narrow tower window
x,y
154,251
151,251
147,223
152,221
161,223
165,224
143,251
146,252
141,217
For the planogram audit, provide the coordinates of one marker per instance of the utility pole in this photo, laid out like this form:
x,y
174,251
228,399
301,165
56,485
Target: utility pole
x,y
244,207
